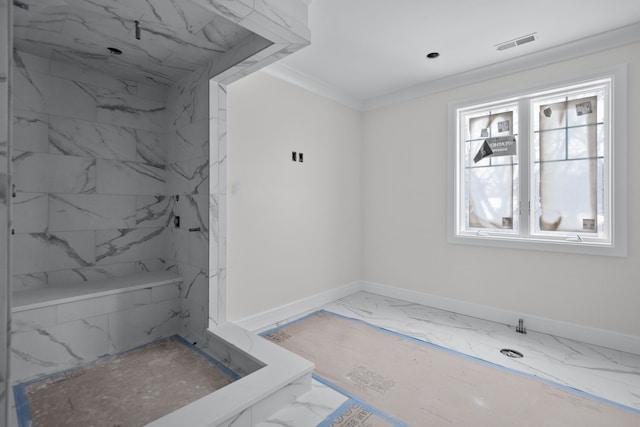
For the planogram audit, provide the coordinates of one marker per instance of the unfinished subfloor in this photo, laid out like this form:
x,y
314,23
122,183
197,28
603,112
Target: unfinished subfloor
x,y
125,390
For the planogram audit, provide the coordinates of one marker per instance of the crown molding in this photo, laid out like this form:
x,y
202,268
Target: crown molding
x,y
586,46
291,75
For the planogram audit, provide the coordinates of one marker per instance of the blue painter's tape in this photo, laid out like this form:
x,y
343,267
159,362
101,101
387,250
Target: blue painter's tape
x,y
208,357
466,356
335,414
22,406
23,411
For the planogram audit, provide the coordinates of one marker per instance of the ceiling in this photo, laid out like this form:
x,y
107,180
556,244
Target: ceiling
x,y
368,49
176,37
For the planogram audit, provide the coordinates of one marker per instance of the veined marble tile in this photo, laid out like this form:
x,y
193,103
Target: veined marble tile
x,y
24,60
220,166
154,211
214,232
78,275
165,293
142,324
4,167
214,101
28,282
601,372
234,63
70,212
30,131
221,33
222,227
222,101
151,147
32,320
189,99
47,173
130,111
243,419
309,410
31,89
269,405
217,296
5,315
114,246
153,92
48,350
193,211
195,296
70,98
77,310
73,137
272,11
69,68
188,177
117,177
199,249
38,252
30,212
156,264
234,11
178,245
189,142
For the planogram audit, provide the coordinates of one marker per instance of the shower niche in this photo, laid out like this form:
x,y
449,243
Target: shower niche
x,y
119,128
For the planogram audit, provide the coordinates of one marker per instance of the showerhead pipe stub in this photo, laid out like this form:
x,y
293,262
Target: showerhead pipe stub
x,y
138,30
20,4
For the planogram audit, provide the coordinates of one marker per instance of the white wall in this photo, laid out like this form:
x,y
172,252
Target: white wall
x,y
404,228
294,229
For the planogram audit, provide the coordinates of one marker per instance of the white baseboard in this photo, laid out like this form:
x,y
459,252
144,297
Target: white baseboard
x,y
586,334
292,311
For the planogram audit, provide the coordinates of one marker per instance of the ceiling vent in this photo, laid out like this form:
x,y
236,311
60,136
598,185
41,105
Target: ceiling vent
x,y
516,42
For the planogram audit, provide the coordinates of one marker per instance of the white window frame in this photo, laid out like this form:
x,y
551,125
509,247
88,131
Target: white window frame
x,y
616,165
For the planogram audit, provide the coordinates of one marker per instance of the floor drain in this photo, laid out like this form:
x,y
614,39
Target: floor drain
x,y
512,353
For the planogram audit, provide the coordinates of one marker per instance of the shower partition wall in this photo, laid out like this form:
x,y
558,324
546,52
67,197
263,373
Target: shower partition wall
x,y
104,163
5,48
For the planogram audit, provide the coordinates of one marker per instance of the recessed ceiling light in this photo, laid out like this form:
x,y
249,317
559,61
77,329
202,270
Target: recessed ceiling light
x,y
433,55
114,50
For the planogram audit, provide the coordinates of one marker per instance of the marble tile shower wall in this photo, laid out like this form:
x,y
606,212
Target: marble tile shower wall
x,y
5,24
89,161
188,183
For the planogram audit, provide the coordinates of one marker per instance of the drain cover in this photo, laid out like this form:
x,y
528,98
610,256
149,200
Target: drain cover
x,y
512,353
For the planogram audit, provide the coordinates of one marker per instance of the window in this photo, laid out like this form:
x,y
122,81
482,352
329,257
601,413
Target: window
x,y
543,169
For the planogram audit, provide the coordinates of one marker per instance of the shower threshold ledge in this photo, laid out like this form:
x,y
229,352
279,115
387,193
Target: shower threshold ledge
x,y
277,377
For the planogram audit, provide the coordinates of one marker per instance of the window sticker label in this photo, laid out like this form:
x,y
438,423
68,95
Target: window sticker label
x,y
583,108
504,126
589,224
507,222
484,151
502,145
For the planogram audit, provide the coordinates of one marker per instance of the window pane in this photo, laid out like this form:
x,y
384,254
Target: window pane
x,y
491,170
491,197
568,196
553,145
567,188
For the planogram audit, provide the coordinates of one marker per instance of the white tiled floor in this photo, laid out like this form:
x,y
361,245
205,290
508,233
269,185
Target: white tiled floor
x,y
603,372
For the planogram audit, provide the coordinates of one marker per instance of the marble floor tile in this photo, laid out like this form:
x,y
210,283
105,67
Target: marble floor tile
x,y
309,410
603,372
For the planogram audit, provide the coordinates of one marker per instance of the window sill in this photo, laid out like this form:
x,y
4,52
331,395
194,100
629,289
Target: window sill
x,y
510,242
